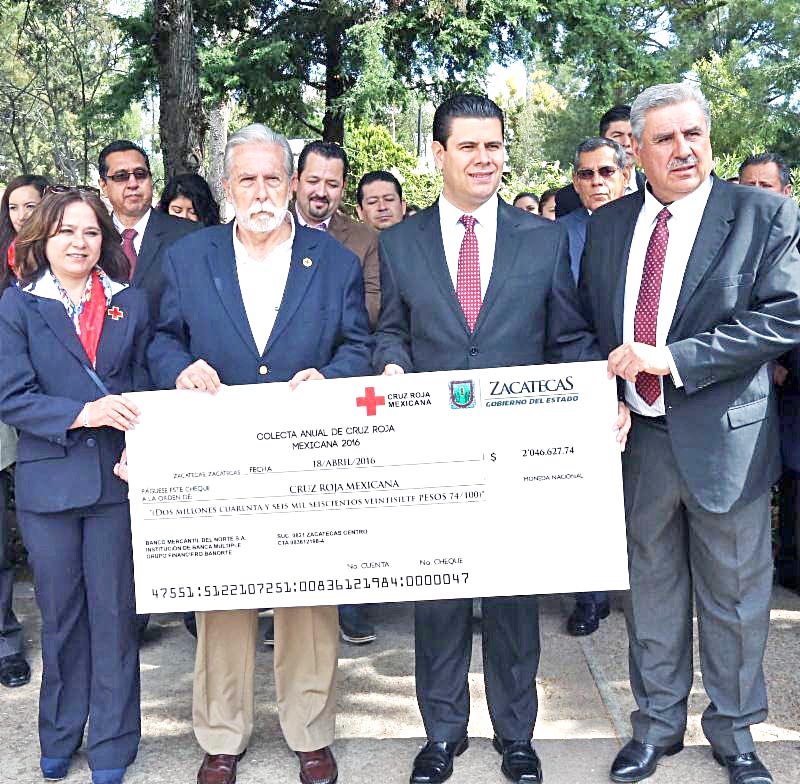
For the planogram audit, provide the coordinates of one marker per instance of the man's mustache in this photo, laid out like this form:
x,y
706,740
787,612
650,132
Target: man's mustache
x,y
689,160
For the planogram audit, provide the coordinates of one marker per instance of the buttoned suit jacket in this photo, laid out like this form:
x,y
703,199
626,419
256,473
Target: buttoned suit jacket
x,y
363,241
162,230
321,323
738,309
575,223
43,387
530,313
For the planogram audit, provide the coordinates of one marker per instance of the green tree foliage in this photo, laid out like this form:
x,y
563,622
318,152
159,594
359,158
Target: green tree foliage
x,y
57,58
370,147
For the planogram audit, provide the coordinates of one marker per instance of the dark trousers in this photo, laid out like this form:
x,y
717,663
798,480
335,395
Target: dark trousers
x,y
680,555
443,645
591,597
83,574
10,628
787,563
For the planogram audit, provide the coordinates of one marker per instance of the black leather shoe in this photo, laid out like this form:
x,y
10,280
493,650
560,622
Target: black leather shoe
x,y
744,768
585,618
637,761
434,763
520,762
14,671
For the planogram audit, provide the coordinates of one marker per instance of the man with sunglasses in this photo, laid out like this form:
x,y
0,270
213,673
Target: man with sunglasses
x,y
600,174
126,182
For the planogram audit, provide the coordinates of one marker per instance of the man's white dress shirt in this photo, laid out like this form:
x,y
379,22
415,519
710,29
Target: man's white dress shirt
x,y
139,228
683,226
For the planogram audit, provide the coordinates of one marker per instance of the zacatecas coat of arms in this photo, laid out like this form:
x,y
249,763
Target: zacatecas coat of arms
x,y
462,394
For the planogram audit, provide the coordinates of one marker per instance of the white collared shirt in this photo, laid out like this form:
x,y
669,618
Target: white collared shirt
x,y
631,186
44,286
139,228
485,232
302,221
683,226
262,282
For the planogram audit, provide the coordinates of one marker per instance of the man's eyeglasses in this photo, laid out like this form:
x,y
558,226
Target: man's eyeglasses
x,y
124,175
604,171
71,188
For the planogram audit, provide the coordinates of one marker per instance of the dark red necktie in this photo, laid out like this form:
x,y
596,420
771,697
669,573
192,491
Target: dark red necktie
x,y
645,320
129,249
468,278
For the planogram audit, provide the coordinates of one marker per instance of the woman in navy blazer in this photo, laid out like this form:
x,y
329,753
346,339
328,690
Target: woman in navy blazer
x,y
72,341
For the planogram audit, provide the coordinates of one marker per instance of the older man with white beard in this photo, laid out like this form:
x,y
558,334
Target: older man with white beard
x,y
260,300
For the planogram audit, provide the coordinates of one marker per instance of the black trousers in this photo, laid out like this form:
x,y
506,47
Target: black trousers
x,y
443,645
83,575
10,628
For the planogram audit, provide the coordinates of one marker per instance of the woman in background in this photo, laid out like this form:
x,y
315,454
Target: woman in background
x,y
19,200
188,196
73,336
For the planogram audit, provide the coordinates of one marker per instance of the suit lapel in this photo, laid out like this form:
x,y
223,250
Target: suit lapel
x,y
431,247
151,242
620,258
55,315
114,335
222,265
715,226
301,273
506,249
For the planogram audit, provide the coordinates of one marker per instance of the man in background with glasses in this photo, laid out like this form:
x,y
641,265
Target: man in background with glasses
x,y
126,181
600,174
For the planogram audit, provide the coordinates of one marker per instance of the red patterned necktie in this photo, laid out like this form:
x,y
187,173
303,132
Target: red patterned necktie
x,y
129,249
468,279
646,318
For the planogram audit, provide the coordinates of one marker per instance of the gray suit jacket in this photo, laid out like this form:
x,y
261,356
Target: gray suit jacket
x,y
738,309
530,313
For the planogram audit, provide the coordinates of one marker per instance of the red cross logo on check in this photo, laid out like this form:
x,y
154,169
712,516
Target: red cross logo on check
x,y
371,401
115,313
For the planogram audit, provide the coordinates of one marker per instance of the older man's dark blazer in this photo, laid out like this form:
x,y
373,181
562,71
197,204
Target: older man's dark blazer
x,y
738,309
530,312
322,321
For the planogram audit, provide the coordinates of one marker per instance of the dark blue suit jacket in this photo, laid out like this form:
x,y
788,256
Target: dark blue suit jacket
x,y
530,313
575,223
322,322
44,386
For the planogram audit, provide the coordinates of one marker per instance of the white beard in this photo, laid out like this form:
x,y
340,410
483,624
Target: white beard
x,y
264,223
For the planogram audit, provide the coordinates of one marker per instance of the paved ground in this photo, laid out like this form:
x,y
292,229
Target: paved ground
x,y
584,707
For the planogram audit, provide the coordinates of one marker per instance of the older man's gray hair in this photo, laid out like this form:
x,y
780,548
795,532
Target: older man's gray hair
x,y
595,143
258,134
665,95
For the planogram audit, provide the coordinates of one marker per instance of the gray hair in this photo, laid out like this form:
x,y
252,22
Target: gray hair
x,y
595,143
258,134
665,95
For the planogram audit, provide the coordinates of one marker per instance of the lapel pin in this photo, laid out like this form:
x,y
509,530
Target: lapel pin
x,y
115,313
307,262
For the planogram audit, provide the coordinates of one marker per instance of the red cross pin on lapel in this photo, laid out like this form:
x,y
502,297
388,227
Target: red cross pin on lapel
x,y
115,313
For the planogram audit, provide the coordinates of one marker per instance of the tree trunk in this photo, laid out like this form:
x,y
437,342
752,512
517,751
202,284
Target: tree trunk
x,y
333,122
182,121
217,139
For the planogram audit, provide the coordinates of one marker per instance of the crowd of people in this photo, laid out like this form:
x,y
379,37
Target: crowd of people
x,y
687,285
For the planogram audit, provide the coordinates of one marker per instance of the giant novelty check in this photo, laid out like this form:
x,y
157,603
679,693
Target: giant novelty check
x,y
380,489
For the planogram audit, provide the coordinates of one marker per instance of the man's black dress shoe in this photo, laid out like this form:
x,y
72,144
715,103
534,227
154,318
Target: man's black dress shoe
x,y
14,671
744,768
585,618
637,761
434,763
520,762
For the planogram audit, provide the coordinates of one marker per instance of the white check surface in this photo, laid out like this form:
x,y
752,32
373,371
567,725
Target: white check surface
x,y
431,486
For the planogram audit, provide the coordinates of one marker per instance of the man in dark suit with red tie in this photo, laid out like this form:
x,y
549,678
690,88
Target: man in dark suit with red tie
x,y
472,282
127,183
692,288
